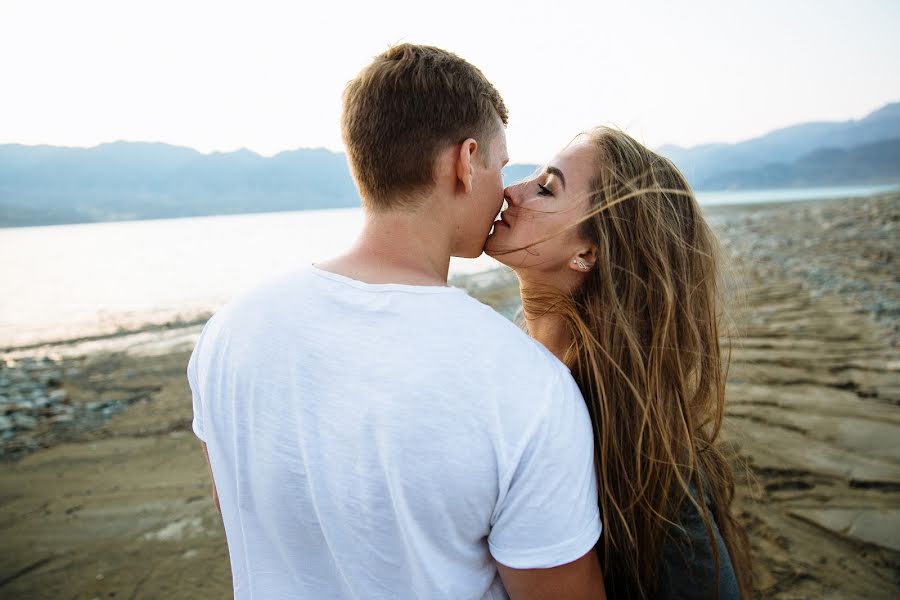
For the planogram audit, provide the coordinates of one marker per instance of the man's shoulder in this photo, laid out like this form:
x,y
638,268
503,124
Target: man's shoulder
x,y
309,294
489,322
256,304
283,287
498,339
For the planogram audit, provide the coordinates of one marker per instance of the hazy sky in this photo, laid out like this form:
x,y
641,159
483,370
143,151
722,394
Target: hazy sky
x,y
266,75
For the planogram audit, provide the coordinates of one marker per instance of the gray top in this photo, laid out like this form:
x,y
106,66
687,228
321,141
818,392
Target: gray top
x,y
688,569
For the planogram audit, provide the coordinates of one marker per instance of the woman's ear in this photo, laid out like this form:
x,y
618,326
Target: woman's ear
x,y
464,168
585,259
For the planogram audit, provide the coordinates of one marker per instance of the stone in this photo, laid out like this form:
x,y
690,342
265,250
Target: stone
x,y
24,421
59,395
20,406
6,423
873,526
52,378
26,388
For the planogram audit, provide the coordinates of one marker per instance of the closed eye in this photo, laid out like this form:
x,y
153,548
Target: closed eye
x,y
544,190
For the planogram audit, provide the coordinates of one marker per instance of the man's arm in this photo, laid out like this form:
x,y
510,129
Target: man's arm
x,y
579,579
211,478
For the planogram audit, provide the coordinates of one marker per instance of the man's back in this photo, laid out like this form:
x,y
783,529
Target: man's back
x,y
386,441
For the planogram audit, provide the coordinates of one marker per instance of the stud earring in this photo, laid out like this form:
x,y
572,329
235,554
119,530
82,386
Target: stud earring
x,y
580,264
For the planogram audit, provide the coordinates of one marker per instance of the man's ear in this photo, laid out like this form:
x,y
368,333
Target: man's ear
x,y
464,163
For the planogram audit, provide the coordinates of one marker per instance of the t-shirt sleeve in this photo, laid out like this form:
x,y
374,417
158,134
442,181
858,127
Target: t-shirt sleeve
x,y
194,383
548,513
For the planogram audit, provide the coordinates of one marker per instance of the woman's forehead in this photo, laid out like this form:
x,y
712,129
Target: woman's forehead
x,y
576,161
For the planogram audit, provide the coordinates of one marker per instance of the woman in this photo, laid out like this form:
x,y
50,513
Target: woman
x,y
617,271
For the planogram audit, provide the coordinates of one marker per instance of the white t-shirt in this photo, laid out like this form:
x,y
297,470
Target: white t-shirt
x,y
386,441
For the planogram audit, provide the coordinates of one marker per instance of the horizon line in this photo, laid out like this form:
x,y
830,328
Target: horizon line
x,y
342,151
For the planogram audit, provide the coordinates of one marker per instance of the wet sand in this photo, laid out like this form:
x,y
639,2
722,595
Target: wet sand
x,y
107,495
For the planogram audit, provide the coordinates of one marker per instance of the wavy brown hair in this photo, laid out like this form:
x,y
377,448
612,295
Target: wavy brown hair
x,y
645,327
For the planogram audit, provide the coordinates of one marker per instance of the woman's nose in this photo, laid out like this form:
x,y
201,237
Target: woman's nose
x,y
513,193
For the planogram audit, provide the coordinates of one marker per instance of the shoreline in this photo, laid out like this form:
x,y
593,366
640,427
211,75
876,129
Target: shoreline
x,y
844,190
150,327
717,214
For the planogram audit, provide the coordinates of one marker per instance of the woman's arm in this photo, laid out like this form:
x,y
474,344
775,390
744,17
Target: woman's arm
x,y
211,478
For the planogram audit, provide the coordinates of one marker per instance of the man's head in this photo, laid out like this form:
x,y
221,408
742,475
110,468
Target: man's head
x,y
411,105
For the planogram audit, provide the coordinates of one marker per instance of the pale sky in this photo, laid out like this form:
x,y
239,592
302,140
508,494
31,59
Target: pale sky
x,y
268,76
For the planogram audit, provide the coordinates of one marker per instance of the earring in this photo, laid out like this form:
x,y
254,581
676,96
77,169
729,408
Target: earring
x,y
580,264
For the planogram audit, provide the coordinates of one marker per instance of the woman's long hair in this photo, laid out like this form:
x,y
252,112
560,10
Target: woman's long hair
x,y
645,327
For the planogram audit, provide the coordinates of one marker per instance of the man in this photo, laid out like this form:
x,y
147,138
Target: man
x,y
374,433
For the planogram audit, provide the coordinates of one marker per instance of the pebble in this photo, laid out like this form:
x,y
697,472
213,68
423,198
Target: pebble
x,y
110,410
24,421
31,393
20,406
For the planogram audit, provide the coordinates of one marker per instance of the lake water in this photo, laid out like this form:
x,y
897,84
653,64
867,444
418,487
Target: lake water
x,y
68,281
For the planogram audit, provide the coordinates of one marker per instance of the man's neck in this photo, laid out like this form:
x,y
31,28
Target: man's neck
x,y
397,247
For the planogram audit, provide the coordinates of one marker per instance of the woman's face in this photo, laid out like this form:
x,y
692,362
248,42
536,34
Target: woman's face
x,y
535,235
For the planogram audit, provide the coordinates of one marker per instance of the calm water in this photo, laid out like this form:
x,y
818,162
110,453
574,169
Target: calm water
x,y
73,280
790,195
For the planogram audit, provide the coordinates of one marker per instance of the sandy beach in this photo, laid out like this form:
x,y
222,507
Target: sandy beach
x,y
105,493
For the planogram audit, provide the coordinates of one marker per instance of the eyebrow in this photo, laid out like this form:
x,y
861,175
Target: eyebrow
x,y
558,173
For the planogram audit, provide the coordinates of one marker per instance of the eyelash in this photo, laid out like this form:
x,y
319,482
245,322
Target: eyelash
x,y
544,190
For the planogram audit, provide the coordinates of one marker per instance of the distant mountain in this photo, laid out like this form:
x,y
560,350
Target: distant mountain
x,y
874,163
42,185
46,185
137,180
705,165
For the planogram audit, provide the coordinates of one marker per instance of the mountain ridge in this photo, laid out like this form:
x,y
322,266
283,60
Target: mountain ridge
x,y
44,184
703,163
